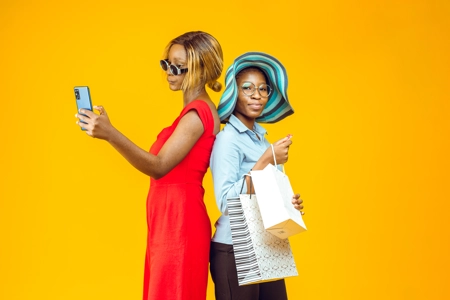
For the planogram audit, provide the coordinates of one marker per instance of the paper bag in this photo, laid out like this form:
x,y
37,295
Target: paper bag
x,y
260,256
274,194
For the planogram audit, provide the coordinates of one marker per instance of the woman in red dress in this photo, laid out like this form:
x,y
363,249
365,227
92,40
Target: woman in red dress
x,y
179,230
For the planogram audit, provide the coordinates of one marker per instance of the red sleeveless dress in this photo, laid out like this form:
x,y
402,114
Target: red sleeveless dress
x,y
179,229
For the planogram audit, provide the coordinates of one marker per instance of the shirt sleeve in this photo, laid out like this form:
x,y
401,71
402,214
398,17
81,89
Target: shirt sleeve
x,y
225,164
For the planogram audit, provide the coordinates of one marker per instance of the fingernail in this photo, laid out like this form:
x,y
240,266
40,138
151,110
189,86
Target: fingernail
x,y
76,115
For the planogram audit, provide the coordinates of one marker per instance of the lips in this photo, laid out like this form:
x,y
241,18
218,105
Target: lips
x,y
255,106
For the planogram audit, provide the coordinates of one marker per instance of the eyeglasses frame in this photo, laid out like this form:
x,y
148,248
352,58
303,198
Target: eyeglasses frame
x,y
256,88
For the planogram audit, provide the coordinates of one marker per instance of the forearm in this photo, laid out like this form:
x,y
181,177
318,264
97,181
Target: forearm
x,y
142,160
264,160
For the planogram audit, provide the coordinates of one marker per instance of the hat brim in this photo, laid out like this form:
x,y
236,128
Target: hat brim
x,y
277,107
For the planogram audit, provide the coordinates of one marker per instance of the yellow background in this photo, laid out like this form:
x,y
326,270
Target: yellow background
x,y
369,81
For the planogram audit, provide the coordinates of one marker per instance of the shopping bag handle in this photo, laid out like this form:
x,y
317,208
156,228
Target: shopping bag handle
x,y
275,159
243,181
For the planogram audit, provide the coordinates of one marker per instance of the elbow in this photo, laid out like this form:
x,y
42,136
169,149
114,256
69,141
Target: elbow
x,y
157,175
159,172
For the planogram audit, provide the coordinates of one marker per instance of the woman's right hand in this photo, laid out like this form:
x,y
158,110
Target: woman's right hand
x,y
281,149
97,126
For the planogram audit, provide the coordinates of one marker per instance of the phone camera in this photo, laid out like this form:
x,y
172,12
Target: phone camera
x,y
77,94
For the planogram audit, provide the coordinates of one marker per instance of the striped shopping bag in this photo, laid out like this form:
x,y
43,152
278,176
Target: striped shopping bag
x,y
260,256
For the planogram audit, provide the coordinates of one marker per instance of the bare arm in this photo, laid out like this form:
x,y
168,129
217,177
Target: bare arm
x,y
186,134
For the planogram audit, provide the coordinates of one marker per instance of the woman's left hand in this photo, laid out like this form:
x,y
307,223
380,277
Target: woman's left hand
x,y
298,203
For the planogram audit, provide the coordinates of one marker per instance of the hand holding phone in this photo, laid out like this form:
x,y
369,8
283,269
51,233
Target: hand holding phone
x,y
83,99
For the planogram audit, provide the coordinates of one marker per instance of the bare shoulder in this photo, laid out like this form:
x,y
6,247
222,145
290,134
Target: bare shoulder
x,y
213,108
189,125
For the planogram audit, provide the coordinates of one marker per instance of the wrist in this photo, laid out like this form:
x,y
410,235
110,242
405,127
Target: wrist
x,y
112,135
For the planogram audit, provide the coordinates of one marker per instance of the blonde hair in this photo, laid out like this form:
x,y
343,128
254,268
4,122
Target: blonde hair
x,y
204,60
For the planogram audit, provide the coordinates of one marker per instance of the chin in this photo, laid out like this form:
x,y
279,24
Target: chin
x,y
174,88
255,114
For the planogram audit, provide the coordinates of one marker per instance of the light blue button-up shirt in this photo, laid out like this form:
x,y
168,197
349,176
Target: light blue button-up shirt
x,y
235,152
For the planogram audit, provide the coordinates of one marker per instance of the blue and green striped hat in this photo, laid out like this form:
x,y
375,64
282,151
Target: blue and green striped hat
x,y
277,107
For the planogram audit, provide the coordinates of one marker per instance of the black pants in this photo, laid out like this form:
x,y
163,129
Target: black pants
x,y
224,275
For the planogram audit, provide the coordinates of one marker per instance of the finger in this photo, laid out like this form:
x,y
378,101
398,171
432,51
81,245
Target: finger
x,y
101,109
285,143
279,142
298,207
84,120
86,112
83,126
297,200
284,146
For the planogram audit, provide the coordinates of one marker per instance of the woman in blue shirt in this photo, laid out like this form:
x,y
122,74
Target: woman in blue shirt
x,y
255,91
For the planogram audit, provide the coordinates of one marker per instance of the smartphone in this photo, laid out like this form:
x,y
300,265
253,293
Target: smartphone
x,y
83,98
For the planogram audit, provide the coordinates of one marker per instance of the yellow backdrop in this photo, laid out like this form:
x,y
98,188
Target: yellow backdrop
x,y
369,81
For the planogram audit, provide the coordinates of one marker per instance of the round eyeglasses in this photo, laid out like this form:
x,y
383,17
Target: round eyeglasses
x,y
249,89
175,70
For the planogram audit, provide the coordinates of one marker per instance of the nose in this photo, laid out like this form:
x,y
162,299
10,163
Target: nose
x,y
256,94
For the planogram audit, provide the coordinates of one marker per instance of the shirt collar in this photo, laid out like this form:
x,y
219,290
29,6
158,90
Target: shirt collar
x,y
242,128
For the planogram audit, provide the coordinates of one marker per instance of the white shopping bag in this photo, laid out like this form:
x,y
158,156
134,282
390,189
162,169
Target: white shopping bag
x,y
274,194
259,255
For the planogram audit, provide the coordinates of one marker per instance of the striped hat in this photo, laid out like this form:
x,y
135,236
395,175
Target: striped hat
x,y
277,107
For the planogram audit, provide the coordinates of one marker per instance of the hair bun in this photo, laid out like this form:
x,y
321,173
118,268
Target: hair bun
x,y
215,86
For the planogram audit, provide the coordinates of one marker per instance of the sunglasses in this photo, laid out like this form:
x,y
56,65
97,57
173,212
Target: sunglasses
x,y
175,70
